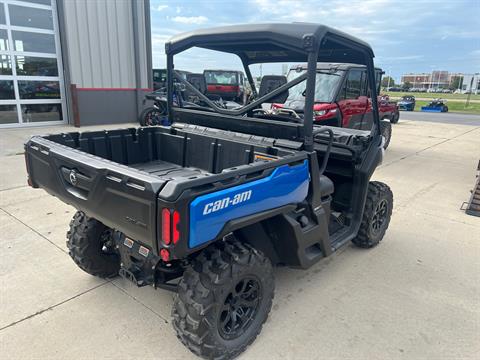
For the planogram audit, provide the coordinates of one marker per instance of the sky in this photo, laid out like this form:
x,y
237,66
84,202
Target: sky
x,y
409,36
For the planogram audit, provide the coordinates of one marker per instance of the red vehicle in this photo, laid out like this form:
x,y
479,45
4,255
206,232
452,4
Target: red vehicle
x,y
341,98
228,84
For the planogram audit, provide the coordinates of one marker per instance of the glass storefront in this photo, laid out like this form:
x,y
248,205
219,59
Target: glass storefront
x,y
31,83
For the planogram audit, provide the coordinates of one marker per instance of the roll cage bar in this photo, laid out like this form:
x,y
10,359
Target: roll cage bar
x,y
268,43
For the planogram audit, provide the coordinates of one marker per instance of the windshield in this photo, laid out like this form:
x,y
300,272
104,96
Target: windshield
x,y
221,77
160,75
325,85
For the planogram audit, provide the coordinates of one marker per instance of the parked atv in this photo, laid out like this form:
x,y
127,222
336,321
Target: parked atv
x,y
340,99
207,206
155,114
407,103
388,109
436,105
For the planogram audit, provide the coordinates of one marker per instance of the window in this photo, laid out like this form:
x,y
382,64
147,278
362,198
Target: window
x,y
36,66
31,83
33,42
39,89
326,84
5,65
30,17
2,14
41,112
41,2
220,77
353,85
6,90
8,114
3,38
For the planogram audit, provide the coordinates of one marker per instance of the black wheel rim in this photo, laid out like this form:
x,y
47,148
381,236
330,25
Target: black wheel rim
x,y
379,216
107,245
239,308
152,118
386,133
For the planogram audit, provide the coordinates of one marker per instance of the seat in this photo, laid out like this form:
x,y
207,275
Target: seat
x,y
270,83
326,186
198,82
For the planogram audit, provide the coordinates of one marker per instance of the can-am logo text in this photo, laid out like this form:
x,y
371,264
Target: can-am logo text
x,y
226,202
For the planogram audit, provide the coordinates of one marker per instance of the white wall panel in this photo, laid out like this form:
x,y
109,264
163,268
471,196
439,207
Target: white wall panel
x,y
99,38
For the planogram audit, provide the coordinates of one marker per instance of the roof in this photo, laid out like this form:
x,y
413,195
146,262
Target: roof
x,y
276,42
328,66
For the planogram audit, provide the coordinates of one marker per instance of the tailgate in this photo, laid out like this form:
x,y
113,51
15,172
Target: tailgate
x,y
121,197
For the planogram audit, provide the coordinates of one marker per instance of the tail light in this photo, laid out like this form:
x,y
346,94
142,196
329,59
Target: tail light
x,y
166,226
170,224
176,231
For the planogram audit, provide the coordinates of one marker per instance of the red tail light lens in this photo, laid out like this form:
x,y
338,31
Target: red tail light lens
x,y
176,231
166,226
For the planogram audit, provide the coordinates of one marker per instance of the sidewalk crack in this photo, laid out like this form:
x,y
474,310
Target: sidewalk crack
x,y
53,306
35,231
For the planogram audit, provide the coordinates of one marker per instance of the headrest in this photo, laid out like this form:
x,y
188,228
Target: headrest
x,y
270,83
198,81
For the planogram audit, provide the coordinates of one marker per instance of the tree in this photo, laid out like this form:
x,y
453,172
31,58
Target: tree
x,y
406,85
388,81
455,83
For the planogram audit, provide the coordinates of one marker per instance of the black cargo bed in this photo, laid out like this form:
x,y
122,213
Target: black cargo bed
x,y
166,169
118,176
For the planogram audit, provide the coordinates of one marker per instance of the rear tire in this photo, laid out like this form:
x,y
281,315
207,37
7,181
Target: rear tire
x,y
386,131
395,117
90,245
223,300
376,215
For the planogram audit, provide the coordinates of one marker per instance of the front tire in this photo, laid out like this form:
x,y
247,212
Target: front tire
x,y
376,215
90,245
150,116
386,131
223,300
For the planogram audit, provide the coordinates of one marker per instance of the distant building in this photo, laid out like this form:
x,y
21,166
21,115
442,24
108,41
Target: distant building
x,y
471,82
440,79
436,79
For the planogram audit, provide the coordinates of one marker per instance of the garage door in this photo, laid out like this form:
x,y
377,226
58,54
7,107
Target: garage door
x,y
31,83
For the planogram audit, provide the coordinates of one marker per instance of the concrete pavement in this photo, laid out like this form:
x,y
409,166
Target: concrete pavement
x,y
416,296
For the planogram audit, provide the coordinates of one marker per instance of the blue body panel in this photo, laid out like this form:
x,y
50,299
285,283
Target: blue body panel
x,y
210,212
431,109
406,106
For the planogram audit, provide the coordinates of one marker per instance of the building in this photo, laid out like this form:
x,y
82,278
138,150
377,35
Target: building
x,y
442,80
73,61
471,83
436,79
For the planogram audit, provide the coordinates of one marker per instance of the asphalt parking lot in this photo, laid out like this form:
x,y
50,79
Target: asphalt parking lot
x,y
416,296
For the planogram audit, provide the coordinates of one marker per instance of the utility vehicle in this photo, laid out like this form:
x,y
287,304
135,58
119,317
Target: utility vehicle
x,y
160,78
436,105
208,205
341,98
407,103
228,84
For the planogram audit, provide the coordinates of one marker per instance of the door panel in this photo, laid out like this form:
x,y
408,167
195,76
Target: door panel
x,y
351,103
367,121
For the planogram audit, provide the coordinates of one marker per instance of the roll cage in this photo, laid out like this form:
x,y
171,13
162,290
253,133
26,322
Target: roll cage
x,y
274,43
